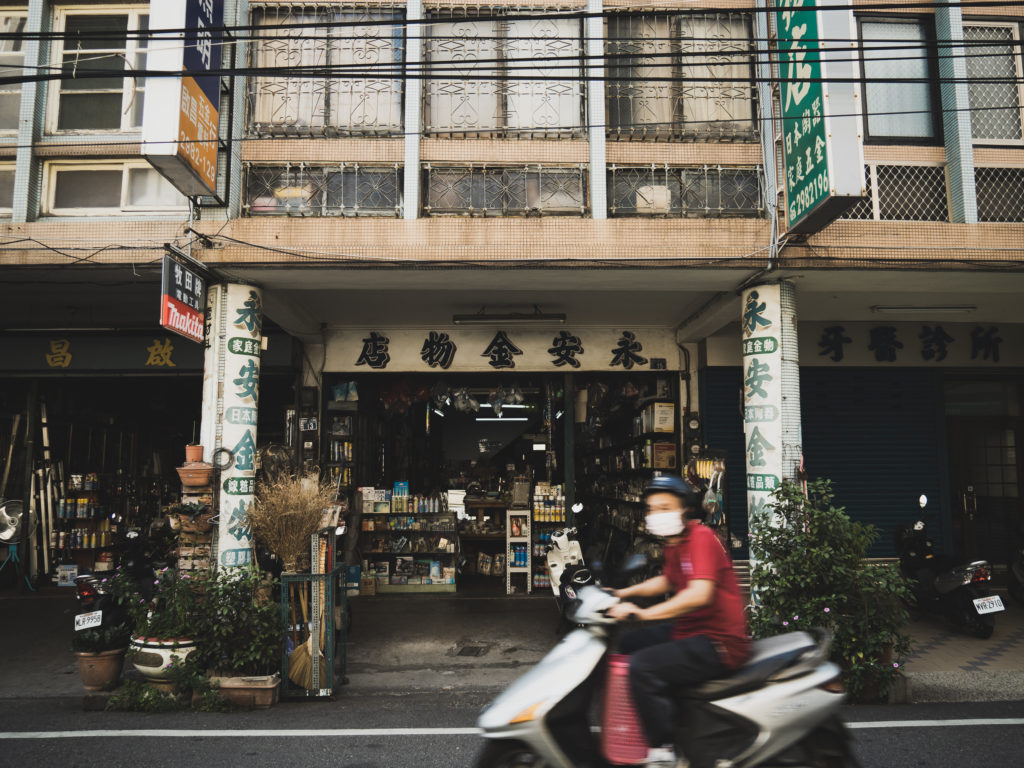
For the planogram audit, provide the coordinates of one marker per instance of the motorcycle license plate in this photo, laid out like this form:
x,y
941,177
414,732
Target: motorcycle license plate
x,y
88,620
989,604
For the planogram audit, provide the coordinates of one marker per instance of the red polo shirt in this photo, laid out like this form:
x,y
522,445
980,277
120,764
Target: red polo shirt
x,y
700,555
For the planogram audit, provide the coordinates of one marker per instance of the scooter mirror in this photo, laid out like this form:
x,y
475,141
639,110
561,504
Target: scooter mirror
x,y
923,501
577,508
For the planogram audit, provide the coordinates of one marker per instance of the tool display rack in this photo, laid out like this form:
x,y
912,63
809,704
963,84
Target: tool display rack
x,y
524,540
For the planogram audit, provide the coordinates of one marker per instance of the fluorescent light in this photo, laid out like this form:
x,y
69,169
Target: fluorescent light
x,y
498,418
540,446
506,405
509,318
915,310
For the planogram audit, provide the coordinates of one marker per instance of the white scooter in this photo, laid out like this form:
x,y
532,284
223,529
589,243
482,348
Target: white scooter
x,y
780,708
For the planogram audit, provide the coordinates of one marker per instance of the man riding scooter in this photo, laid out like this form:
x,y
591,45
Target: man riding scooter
x,y
708,636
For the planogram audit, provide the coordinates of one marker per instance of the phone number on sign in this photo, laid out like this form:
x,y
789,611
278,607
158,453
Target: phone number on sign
x,y
809,195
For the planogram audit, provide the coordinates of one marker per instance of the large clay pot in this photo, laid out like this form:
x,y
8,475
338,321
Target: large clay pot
x,y
193,454
249,692
152,657
196,475
101,670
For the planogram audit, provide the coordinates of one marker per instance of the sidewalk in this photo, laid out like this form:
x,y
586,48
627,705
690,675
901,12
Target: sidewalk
x,y
402,644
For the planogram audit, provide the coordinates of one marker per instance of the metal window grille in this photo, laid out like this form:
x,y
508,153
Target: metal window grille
x,y
994,82
699,191
528,190
331,80
680,76
903,193
1000,193
317,190
494,77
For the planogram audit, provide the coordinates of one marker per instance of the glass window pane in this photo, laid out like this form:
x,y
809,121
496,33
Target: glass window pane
x,y
89,32
995,106
12,56
88,189
6,188
96,63
89,111
897,51
147,188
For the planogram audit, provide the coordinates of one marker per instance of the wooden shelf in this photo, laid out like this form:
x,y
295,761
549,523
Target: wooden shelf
x,y
413,588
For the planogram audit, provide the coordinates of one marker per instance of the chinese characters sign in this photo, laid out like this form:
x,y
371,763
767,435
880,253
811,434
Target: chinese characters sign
x,y
822,144
182,300
502,349
925,344
180,122
241,353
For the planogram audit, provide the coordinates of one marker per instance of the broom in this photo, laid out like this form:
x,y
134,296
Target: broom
x,y
300,661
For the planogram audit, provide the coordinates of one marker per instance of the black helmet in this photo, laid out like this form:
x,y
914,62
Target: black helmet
x,y
676,486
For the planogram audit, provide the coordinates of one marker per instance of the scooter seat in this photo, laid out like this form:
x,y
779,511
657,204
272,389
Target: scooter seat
x,y
768,656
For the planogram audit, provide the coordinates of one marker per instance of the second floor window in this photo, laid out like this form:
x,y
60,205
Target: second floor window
x,y
86,189
993,52
6,188
496,77
108,43
680,76
12,56
353,58
898,92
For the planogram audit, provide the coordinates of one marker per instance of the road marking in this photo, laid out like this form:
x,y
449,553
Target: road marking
x,y
937,723
350,732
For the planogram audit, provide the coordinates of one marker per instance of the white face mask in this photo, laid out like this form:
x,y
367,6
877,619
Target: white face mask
x,y
664,524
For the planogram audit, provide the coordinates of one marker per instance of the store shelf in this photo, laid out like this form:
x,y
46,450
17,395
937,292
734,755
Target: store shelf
x,y
413,588
392,552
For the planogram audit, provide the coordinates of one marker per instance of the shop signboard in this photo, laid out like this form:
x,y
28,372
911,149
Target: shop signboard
x,y
239,355
511,348
182,300
822,136
181,114
762,397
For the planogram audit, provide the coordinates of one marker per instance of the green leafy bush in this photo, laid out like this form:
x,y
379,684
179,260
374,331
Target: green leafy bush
x,y
811,572
100,639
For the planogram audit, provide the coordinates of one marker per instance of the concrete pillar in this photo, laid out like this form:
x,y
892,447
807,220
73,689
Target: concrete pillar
x,y
956,115
32,113
594,26
771,395
413,107
230,406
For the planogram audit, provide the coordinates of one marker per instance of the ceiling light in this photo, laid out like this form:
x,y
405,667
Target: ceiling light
x,y
930,310
506,405
498,418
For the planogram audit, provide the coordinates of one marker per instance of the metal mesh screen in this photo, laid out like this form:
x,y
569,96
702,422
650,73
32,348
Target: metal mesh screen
x,y
1000,194
494,77
317,190
352,80
700,191
903,193
504,191
993,51
680,76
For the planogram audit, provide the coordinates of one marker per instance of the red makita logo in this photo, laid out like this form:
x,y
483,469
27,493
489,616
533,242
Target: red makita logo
x,y
181,319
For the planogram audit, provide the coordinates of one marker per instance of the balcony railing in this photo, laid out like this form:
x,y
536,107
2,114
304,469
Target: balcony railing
x,y
344,189
692,191
525,190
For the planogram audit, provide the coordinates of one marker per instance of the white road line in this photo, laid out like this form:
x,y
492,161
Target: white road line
x,y
351,732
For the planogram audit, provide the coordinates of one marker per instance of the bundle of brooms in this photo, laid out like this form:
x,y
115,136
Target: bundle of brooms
x,y
288,510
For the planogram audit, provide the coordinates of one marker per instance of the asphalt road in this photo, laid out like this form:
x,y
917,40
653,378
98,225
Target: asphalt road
x,y
380,732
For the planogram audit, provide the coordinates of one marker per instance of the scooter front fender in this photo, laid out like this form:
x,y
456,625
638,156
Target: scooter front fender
x,y
532,696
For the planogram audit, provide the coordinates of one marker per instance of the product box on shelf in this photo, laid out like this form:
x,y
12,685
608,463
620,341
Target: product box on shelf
x,y
381,567
353,578
66,575
448,574
664,456
483,564
404,565
498,565
399,579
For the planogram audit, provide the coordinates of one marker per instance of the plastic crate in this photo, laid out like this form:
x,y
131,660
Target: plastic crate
x,y
622,736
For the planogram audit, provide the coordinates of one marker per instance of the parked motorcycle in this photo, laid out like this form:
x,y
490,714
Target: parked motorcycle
x,y
942,586
566,570
780,708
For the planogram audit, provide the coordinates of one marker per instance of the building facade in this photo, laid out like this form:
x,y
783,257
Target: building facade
x,y
387,166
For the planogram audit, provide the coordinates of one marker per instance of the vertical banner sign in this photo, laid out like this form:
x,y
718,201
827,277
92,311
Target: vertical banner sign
x,y
821,127
182,300
240,343
762,398
180,117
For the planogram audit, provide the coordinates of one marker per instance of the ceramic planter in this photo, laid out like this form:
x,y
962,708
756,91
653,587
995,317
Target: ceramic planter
x,y
152,657
195,475
193,454
101,670
258,692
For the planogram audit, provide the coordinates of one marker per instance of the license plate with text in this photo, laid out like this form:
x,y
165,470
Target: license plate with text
x,y
989,604
88,620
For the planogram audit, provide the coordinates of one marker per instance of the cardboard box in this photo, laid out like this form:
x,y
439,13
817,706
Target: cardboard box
x,y
665,456
399,579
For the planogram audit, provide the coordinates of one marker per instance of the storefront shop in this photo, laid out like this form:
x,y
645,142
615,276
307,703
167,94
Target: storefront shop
x,y
462,451
892,411
103,419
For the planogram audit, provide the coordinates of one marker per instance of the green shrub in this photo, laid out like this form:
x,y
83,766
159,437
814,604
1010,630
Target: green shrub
x,y
811,572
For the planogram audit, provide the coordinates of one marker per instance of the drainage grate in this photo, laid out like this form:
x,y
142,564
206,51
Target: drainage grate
x,y
472,650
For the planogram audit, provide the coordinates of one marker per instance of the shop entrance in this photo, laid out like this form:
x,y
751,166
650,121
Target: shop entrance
x,y
984,429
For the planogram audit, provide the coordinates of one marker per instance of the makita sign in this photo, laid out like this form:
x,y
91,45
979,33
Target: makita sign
x,y
182,300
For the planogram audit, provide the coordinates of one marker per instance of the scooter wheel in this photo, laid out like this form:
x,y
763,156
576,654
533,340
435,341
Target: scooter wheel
x,y
982,626
508,754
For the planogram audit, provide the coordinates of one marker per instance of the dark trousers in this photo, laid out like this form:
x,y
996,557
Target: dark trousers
x,y
659,668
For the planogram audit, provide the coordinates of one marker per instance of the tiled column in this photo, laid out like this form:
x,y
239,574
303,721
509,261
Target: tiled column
x,y
25,206
596,110
956,115
413,107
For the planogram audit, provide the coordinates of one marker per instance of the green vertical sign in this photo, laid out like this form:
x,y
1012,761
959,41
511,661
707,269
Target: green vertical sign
x,y
803,123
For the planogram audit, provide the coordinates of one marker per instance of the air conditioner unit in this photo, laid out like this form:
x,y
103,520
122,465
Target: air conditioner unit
x,y
653,198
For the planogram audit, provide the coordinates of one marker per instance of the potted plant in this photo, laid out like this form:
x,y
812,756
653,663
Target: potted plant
x,y
811,572
191,517
163,625
101,650
240,637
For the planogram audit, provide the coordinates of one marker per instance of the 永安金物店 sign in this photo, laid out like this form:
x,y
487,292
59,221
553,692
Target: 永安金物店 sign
x,y
180,119
821,131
